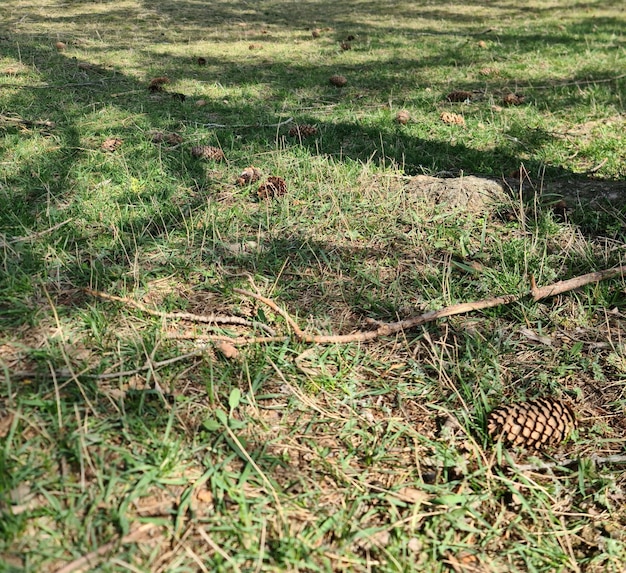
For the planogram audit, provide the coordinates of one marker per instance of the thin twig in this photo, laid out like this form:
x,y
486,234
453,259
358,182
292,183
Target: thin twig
x,y
22,121
90,559
39,234
597,460
245,125
577,83
238,340
209,319
149,365
57,87
597,167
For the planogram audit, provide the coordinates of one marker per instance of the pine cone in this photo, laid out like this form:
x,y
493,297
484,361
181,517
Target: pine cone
x,y
403,117
248,175
156,84
338,81
302,131
111,144
273,187
513,99
452,118
460,96
533,424
169,138
208,152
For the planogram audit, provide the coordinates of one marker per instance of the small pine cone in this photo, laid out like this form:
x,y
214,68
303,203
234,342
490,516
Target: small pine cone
x,y
513,99
156,84
208,152
533,424
111,144
338,81
403,117
452,118
169,138
248,175
460,96
173,139
302,131
273,187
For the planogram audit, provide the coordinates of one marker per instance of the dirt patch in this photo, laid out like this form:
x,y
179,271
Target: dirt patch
x,y
471,193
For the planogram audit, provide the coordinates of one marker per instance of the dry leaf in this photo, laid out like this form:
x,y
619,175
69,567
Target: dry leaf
x,y
204,496
536,337
412,495
489,72
464,562
376,539
227,350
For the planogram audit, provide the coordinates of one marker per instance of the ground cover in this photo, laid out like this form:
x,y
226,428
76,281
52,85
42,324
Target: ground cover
x,y
469,149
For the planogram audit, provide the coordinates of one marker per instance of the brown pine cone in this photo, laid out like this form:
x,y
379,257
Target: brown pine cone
x,y
273,187
156,84
533,424
208,152
513,99
452,118
338,81
403,117
248,175
302,131
460,96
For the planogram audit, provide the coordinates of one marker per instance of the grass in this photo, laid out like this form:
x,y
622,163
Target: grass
x,y
124,449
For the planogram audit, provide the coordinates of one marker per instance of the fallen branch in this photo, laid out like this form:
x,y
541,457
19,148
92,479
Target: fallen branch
x,y
571,284
387,329
222,338
207,319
